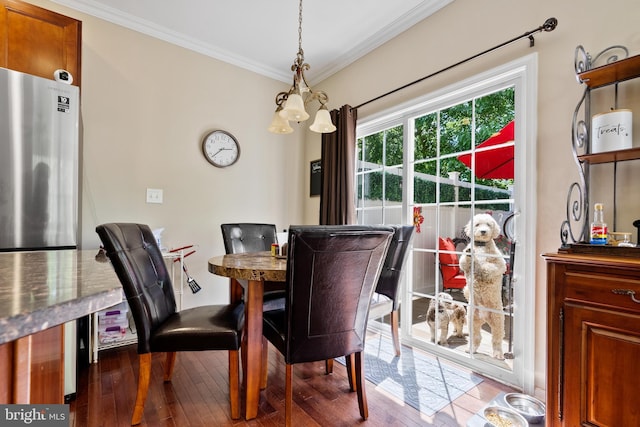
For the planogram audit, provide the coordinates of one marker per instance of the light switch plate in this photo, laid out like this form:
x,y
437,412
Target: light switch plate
x,y
154,195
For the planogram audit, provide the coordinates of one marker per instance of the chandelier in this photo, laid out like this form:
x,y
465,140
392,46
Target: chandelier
x,y
290,106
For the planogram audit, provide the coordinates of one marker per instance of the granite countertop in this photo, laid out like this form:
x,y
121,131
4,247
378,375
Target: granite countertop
x,y
42,289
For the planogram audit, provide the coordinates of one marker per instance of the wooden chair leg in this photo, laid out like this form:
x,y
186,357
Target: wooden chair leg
x,y
362,396
170,363
235,291
328,366
265,364
234,383
143,387
351,373
394,331
288,395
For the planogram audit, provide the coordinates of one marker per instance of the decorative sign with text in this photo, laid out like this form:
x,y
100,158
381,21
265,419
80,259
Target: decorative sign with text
x,y
315,179
611,131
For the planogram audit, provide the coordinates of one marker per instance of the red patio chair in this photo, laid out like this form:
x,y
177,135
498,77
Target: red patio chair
x,y
452,276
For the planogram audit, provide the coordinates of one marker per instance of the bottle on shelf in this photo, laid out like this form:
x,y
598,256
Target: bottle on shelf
x,y
598,226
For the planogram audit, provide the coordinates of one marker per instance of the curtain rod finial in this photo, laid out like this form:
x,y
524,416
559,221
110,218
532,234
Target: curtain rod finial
x,y
550,24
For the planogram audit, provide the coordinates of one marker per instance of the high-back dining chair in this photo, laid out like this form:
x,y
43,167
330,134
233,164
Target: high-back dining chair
x,y
138,262
388,299
253,237
248,237
331,274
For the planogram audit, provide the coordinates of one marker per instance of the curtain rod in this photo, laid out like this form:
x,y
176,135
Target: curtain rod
x,y
549,25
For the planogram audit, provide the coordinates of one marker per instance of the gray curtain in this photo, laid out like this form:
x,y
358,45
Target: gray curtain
x,y
337,201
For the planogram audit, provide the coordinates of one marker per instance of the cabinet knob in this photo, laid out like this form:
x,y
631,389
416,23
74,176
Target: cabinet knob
x,y
629,292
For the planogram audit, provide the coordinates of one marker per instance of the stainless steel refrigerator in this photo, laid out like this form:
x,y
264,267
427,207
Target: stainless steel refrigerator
x,y
39,151
39,146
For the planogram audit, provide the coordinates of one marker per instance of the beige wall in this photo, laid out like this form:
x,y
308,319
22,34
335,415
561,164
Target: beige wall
x,y
147,104
467,27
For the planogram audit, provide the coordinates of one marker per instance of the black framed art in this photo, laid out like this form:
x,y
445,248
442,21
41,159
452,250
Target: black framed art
x,y
315,177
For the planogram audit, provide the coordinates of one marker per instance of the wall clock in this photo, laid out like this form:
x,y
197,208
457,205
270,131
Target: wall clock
x,y
220,148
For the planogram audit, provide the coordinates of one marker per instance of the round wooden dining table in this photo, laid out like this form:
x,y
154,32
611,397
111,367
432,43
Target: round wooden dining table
x,y
249,271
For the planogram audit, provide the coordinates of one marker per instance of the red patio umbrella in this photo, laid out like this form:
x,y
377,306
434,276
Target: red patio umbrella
x,y
494,163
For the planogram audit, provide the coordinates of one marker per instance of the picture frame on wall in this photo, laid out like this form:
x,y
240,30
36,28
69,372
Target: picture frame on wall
x,y
315,177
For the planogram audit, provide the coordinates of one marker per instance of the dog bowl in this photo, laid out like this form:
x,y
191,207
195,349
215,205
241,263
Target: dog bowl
x,y
499,416
527,406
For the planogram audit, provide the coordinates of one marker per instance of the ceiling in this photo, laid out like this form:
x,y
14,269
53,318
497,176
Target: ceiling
x,y
262,36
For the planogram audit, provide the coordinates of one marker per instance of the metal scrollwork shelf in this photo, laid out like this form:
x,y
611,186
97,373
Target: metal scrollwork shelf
x,y
609,67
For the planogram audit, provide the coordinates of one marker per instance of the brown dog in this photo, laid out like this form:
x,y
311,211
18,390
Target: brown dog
x,y
447,311
438,309
457,317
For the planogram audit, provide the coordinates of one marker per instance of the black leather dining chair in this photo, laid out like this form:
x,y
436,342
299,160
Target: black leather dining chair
x,y
387,298
248,237
139,265
331,275
253,237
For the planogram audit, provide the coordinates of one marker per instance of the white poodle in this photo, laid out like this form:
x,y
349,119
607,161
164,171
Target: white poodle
x,y
483,265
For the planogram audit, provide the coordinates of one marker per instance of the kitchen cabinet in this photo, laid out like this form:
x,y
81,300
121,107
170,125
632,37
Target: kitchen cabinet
x,y
32,368
38,41
593,340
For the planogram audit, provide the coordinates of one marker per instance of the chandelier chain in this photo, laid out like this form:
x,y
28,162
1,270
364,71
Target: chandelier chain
x,y
300,27
291,105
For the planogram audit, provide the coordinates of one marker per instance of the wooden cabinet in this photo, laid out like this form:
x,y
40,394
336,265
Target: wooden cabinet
x,y
32,368
38,42
593,340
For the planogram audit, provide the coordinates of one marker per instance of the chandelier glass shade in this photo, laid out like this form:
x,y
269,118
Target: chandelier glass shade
x,y
290,106
279,124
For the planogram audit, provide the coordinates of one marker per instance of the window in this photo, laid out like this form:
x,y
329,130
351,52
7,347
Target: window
x,y
437,161
380,173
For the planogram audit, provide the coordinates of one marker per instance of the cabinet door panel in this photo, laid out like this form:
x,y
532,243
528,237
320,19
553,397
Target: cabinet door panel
x,y
6,373
37,41
602,367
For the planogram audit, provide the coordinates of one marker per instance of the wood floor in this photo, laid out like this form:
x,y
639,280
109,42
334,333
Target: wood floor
x,y
198,396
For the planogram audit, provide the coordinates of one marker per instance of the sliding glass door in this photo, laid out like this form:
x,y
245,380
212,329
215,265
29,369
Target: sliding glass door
x,y
440,162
